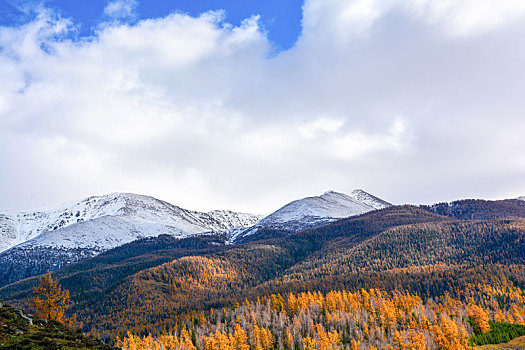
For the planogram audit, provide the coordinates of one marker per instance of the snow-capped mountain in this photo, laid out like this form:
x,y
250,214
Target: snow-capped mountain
x,y
102,222
33,242
309,211
368,199
50,238
315,211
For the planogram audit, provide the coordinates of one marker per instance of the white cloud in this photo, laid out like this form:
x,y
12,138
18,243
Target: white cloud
x,y
340,21
415,101
470,17
322,125
121,9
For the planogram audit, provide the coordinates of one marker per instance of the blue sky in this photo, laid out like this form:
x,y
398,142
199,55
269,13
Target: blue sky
x,y
415,101
280,18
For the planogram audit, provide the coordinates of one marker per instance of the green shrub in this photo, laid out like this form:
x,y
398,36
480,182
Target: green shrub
x,y
500,333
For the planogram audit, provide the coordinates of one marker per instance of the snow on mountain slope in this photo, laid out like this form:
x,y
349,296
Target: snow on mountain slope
x,y
102,233
313,212
47,239
127,217
369,199
310,209
521,198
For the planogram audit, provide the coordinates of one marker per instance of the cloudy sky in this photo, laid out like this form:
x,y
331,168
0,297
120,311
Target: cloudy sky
x,y
247,108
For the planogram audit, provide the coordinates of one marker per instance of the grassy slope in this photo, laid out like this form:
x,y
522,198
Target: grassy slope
x,y
17,333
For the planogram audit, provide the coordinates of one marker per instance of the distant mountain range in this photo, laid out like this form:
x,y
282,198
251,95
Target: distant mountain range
x,y
442,249
104,222
33,242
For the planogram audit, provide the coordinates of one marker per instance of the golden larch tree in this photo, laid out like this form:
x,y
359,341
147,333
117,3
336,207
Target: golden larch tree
x,y
50,300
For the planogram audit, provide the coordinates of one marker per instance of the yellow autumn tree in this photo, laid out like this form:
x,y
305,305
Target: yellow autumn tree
x,y
309,343
168,342
417,341
202,318
449,335
266,338
241,338
256,339
185,339
398,340
326,340
131,342
219,341
50,301
481,317
289,339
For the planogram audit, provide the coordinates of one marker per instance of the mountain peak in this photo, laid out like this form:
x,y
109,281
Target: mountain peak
x,y
313,211
330,192
359,191
367,198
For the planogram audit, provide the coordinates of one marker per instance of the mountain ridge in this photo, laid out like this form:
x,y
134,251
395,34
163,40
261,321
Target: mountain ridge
x,y
66,233
136,210
314,211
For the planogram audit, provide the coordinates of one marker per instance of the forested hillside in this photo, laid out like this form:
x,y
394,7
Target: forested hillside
x,y
366,319
478,209
156,284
